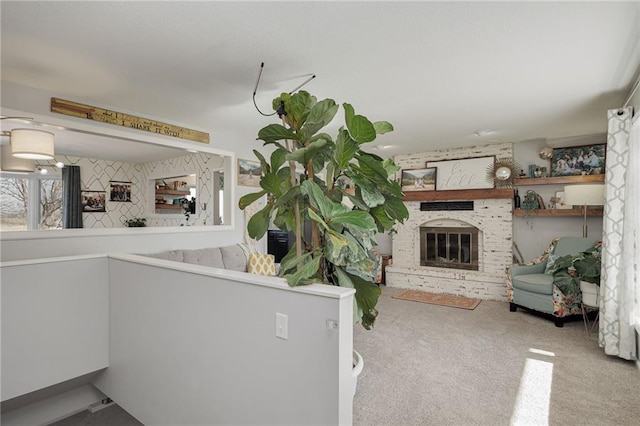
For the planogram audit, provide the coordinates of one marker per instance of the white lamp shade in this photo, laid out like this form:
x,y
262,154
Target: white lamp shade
x,y
32,144
584,195
9,163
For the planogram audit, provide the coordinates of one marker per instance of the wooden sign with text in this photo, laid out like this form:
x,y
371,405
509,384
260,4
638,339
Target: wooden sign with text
x,y
126,120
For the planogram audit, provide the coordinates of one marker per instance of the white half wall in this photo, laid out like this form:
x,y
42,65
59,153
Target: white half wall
x,y
54,322
197,345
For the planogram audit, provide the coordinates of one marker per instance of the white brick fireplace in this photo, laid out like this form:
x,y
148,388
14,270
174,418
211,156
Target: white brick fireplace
x,y
492,218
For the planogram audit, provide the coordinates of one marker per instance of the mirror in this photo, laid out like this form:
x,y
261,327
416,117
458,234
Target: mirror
x,y
502,172
132,176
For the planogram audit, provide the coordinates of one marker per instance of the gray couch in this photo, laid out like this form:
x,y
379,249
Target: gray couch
x,y
229,257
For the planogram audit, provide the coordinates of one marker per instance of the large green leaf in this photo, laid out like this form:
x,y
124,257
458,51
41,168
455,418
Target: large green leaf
x,y
275,132
248,199
266,168
301,104
382,127
396,209
292,260
259,222
314,216
565,282
307,271
271,183
278,157
288,196
367,294
345,149
360,128
335,246
382,219
320,115
303,155
355,218
320,201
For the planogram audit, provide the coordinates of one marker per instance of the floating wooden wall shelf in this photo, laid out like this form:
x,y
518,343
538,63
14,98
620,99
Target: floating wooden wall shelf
x,y
591,211
463,194
558,180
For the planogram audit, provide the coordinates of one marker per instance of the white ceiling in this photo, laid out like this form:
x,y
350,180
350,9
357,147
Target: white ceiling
x,y
438,71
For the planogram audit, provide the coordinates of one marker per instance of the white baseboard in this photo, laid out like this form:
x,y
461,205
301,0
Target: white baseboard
x,y
54,408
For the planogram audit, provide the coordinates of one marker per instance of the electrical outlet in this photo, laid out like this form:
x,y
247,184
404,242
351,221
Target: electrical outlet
x,y
282,326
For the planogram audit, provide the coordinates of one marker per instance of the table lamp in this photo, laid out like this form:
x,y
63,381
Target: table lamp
x,y
584,195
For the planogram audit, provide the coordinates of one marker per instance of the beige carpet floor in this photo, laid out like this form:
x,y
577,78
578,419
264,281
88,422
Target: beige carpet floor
x,y
434,365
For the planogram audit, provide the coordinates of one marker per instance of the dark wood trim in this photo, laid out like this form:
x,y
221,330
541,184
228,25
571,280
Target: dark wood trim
x,y
464,194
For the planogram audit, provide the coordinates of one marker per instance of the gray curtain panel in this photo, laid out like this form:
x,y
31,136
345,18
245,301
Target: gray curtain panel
x,y
71,197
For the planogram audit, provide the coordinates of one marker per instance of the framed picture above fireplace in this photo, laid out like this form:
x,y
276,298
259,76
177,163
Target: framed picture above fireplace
x,y
419,179
463,173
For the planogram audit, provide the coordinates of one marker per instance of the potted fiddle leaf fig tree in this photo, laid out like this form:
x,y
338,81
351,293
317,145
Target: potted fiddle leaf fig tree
x,y
343,194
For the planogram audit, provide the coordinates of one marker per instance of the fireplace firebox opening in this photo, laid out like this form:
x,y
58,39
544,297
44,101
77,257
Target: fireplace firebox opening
x,y
447,247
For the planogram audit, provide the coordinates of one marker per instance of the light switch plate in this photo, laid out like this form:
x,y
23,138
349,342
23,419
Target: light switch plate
x,y
282,326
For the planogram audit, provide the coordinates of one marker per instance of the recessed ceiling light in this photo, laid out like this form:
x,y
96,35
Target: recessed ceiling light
x,y
481,133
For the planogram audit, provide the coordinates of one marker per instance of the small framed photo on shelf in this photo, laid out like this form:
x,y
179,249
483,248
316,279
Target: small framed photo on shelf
x,y
578,160
419,179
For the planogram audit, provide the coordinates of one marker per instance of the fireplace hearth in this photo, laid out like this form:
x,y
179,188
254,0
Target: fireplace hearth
x,y
449,247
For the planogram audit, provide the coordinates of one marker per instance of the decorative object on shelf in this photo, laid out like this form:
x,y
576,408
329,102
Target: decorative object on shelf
x,y
584,195
120,191
516,200
502,171
546,152
531,201
136,222
464,173
537,173
578,160
419,179
94,201
561,203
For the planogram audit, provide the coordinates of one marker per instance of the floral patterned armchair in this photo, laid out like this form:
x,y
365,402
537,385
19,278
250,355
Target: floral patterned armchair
x,y
530,285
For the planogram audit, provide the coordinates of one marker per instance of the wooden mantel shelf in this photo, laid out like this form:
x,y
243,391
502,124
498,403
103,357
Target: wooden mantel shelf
x,y
463,194
591,211
558,180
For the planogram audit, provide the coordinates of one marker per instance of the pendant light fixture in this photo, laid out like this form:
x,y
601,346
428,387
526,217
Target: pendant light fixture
x,y
32,144
9,163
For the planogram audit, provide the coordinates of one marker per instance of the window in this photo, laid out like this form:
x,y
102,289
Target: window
x,y
30,202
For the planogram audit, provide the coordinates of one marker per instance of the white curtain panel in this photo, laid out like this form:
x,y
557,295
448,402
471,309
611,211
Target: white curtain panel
x,y
620,252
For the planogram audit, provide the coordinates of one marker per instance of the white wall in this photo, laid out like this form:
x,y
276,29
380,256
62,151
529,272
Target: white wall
x,y
54,322
198,346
